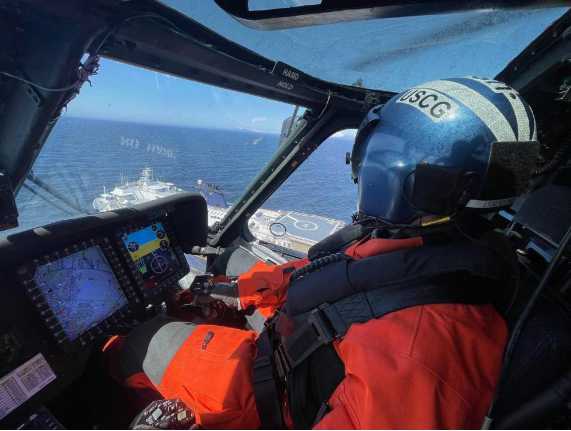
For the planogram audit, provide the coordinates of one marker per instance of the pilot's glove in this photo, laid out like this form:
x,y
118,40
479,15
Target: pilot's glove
x,y
226,293
165,414
207,289
209,299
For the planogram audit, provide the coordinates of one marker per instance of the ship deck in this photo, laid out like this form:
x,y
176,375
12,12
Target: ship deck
x,y
308,226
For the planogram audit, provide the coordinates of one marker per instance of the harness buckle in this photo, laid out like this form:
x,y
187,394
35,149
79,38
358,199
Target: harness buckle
x,y
281,362
315,332
318,319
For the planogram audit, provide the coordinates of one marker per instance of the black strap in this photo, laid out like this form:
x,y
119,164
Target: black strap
x,y
407,268
323,410
268,399
331,321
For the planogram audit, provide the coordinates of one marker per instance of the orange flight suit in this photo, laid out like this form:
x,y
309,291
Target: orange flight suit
x,y
431,366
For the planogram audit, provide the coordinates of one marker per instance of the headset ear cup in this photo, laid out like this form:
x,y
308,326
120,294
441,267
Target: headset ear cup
x,y
441,190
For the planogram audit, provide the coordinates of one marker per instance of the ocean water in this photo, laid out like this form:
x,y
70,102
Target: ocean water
x,y
82,157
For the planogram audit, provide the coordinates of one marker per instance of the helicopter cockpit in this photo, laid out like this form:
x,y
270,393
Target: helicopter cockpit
x,y
238,117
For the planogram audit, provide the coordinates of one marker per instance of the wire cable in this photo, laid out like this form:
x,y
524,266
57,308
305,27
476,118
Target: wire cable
x,y
317,264
38,86
95,53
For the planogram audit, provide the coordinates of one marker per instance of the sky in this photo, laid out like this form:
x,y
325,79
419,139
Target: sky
x,y
390,54
125,93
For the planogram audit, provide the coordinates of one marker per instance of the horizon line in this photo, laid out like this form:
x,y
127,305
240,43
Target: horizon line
x,y
187,126
151,123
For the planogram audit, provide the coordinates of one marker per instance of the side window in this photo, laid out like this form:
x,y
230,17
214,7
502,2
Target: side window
x,y
136,135
317,200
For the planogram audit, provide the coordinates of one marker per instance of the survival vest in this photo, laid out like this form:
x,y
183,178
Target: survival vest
x,y
296,359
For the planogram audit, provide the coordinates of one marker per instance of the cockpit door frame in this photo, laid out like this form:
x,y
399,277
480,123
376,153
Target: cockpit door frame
x,y
287,159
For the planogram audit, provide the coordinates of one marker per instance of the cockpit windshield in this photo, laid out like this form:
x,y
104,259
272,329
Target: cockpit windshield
x,y
136,135
388,54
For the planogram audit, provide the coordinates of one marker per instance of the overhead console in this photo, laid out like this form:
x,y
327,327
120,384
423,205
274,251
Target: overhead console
x,y
69,283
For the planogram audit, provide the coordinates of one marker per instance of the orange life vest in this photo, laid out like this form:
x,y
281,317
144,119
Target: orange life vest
x,y
399,282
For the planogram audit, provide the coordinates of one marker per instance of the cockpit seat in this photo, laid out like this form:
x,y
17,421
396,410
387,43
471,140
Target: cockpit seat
x,y
539,379
541,362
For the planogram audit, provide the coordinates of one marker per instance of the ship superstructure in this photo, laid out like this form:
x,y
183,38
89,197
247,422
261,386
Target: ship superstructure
x,y
146,188
289,229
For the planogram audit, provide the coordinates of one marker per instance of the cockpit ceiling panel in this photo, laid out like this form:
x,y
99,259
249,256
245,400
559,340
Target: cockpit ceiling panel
x,y
393,53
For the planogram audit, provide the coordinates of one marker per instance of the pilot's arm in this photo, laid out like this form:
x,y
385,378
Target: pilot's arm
x,y
264,287
217,386
259,292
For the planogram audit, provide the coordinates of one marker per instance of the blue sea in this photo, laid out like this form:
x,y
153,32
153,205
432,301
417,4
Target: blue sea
x,y
82,157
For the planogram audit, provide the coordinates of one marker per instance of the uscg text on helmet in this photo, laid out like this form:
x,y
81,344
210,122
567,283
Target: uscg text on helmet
x,y
434,105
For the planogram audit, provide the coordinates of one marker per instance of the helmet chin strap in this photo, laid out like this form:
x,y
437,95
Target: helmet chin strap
x,y
373,221
434,220
414,228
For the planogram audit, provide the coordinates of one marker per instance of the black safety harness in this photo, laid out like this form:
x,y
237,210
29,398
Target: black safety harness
x,y
296,359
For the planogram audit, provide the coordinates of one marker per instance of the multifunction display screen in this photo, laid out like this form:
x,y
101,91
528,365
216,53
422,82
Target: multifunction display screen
x,y
81,290
151,251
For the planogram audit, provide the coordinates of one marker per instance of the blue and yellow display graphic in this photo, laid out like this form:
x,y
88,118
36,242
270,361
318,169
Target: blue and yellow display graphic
x,y
151,251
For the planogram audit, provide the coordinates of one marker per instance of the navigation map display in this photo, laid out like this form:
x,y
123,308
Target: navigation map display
x,y
151,251
81,290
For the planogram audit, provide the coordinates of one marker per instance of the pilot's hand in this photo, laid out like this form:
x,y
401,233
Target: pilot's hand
x,y
165,414
207,288
226,293
209,299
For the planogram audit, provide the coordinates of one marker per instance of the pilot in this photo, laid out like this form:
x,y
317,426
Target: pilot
x,y
393,322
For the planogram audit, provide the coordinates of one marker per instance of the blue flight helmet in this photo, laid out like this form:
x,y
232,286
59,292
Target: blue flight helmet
x,y
443,146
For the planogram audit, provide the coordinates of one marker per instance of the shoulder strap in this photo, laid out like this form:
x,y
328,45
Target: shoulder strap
x,y
326,303
293,357
331,321
266,392
403,268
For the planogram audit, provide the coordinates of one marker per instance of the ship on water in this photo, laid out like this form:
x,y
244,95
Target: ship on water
x,y
289,229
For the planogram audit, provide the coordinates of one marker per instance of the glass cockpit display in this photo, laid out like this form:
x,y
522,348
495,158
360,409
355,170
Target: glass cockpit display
x,y
151,251
81,290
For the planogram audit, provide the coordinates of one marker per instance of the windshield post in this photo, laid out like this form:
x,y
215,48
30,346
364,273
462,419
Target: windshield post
x,y
312,131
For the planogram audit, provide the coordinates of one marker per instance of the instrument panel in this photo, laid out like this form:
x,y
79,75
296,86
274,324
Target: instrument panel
x,y
79,291
154,257
69,285
82,290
